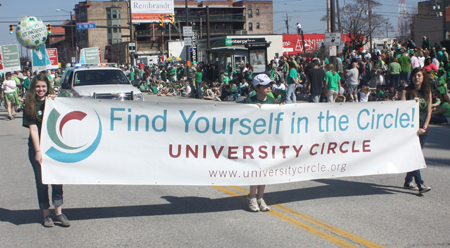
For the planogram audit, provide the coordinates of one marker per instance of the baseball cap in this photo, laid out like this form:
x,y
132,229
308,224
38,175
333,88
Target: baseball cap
x,y
262,79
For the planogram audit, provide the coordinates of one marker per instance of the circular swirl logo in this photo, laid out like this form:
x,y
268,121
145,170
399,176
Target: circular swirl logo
x,y
53,129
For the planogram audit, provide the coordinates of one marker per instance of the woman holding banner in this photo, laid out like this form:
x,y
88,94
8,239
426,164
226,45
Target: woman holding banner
x,y
41,88
420,91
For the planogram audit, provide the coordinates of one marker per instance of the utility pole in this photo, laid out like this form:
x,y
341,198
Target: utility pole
x,y
328,16
387,30
287,24
444,17
188,68
333,26
131,30
208,37
338,16
370,25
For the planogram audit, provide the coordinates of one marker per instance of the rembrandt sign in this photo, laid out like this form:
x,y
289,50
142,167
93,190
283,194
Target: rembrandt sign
x,y
149,11
113,142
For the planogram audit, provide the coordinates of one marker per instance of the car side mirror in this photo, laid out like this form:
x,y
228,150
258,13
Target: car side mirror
x,y
65,86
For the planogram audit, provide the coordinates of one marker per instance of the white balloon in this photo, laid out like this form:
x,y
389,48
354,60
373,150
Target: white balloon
x,y
31,32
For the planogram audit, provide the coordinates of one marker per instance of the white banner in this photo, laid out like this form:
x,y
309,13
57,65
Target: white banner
x,y
126,142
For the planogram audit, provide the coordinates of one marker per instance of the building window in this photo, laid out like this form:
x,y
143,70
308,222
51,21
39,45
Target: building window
x,y
109,31
257,25
115,29
250,26
215,12
250,14
109,41
215,26
114,14
108,14
118,13
223,26
257,12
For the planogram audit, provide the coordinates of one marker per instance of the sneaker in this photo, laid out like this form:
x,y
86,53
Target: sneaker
x,y
48,222
423,188
252,204
410,186
262,205
63,219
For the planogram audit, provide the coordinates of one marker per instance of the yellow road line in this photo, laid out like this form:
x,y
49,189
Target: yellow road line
x,y
316,222
292,221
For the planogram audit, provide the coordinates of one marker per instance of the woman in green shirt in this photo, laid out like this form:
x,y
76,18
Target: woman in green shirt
x,y
442,113
40,88
419,90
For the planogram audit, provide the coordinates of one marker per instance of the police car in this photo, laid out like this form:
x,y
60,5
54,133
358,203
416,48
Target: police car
x,y
98,81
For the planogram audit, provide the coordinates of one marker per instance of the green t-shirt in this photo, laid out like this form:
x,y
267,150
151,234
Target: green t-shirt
x,y
132,76
198,77
226,80
56,82
333,81
173,72
442,89
446,106
405,63
253,100
292,74
154,89
395,68
26,83
40,105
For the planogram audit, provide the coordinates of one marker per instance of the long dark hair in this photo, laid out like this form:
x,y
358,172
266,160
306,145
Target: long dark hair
x,y
425,88
30,101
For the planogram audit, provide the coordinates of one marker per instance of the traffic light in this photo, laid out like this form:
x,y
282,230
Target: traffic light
x,y
161,21
49,28
11,29
171,18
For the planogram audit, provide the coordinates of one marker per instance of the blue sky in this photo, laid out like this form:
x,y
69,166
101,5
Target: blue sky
x,y
307,12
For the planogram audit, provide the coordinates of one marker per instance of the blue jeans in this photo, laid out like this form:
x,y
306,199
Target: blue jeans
x,y
291,93
416,174
405,77
42,189
438,119
394,80
199,90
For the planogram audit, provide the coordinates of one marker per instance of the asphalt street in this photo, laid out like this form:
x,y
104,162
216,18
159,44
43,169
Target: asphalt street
x,y
369,211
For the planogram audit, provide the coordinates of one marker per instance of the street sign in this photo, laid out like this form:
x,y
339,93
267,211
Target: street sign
x,y
332,39
333,51
132,47
86,25
187,31
187,41
73,60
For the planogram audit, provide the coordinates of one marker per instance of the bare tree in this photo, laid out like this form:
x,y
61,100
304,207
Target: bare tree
x,y
361,19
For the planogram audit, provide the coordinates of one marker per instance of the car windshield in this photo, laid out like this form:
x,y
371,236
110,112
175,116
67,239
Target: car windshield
x,y
99,77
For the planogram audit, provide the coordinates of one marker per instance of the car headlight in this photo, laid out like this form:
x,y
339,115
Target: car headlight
x,y
138,97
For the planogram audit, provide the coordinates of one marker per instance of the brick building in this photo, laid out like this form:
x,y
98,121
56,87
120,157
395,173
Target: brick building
x,y
225,18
